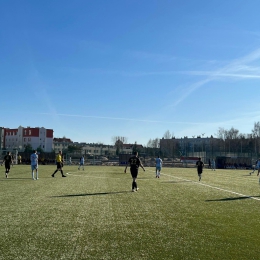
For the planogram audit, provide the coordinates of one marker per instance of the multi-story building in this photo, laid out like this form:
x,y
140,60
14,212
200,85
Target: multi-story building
x,y
196,146
107,150
19,138
1,138
129,148
95,149
61,144
98,149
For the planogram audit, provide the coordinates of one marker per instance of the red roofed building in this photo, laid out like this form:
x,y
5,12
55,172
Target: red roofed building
x,y
19,137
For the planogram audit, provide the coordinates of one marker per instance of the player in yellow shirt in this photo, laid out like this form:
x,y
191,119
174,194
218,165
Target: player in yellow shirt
x,y
59,162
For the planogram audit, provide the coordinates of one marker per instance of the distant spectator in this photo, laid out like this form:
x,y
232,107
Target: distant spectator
x,y
19,159
70,162
81,162
213,165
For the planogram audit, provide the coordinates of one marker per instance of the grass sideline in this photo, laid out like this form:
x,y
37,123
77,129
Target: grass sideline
x,y
93,214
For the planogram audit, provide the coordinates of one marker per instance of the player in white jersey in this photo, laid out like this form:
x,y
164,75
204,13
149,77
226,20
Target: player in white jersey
x,y
70,162
34,164
213,165
81,162
158,166
257,166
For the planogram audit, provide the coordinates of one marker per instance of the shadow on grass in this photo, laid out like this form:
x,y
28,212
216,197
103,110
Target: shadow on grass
x,y
90,194
234,198
15,179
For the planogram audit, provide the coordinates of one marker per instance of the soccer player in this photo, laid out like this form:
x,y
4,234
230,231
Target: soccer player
x,y
70,162
257,162
34,164
135,163
59,162
200,166
19,159
158,167
12,160
7,161
81,162
258,167
213,165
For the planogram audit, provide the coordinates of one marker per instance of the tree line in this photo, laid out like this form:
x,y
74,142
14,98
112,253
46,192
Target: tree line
x,y
226,141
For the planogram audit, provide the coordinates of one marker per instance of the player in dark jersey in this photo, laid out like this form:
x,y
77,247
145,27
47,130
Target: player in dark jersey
x,y
7,161
134,163
200,166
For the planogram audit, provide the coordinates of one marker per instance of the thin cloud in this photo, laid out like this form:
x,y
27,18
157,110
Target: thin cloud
x,y
118,118
228,71
254,117
222,75
190,90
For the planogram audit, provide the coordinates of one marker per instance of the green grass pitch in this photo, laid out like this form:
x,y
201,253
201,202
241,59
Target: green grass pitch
x,y
93,214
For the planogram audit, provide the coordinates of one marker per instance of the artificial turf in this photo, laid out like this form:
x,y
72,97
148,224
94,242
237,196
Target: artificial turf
x,y
93,214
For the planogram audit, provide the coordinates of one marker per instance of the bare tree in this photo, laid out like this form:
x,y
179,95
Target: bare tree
x,y
149,143
232,133
119,141
167,135
154,143
256,129
222,134
256,136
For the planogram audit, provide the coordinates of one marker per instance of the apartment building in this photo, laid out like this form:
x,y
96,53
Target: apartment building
x,y
1,138
61,144
195,146
19,138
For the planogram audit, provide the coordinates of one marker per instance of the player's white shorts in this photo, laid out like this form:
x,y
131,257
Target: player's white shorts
x,y
158,168
34,167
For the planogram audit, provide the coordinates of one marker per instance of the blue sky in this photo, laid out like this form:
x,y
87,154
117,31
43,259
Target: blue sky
x,y
92,70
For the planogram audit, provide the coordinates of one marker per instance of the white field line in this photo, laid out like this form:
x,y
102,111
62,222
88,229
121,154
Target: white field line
x,y
196,182
214,187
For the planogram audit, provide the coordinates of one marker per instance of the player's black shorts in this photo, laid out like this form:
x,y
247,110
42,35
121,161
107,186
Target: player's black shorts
x,y
59,165
7,166
134,172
